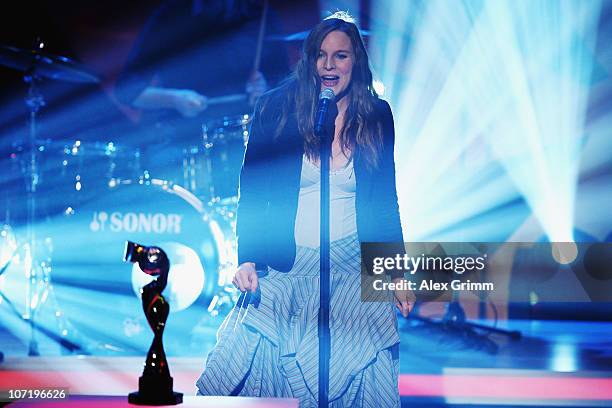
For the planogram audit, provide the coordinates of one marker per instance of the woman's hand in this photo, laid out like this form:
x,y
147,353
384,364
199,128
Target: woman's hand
x,y
404,299
189,103
245,277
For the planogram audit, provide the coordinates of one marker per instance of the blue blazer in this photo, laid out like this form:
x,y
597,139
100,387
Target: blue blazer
x,y
270,185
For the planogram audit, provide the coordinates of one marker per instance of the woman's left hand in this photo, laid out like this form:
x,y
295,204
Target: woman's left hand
x,y
404,299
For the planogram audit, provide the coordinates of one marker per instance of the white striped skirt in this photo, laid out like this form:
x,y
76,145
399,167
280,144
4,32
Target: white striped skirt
x,y
269,347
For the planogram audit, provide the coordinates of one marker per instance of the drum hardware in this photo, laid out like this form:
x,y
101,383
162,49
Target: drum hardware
x,y
20,279
74,171
34,101
211,170
226,295
37,65
8,249
90,167
113,153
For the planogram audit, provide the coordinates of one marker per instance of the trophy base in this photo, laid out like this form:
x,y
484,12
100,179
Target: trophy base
x,y
155,390
139,398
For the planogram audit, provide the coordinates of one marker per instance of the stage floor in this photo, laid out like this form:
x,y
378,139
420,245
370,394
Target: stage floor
x,y
118,376
553,364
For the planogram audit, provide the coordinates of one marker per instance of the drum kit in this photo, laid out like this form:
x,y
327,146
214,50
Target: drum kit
x,y
84,199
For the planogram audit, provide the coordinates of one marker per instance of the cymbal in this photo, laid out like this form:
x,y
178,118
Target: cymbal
x,y
301,36
45,65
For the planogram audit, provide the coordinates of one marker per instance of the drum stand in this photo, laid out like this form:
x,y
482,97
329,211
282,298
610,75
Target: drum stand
x,y
34,101
37,270
454,324
35,64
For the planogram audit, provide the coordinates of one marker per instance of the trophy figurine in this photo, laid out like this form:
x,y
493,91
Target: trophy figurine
x,y
155,384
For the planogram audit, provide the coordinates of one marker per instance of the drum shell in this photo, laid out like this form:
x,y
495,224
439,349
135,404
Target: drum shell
x,y
69,172
212,170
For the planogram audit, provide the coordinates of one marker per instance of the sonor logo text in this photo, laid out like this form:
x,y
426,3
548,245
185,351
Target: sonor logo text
x,y
157,223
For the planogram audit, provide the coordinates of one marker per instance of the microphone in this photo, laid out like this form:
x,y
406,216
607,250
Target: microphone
x,y
326,98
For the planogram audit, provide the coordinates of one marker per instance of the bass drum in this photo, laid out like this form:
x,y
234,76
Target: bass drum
x,y
98,292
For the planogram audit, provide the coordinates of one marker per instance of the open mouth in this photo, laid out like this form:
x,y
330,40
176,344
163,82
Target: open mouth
x,y
329,81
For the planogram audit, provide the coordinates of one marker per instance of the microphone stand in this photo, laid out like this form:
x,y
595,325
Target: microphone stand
x,y
324,282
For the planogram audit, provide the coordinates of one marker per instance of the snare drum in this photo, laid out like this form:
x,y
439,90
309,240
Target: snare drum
x,y
212,170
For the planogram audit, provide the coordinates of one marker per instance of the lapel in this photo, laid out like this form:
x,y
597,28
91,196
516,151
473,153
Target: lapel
x,y
291,136
363,176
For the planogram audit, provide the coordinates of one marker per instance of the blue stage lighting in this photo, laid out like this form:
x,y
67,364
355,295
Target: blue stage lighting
x,y
490,101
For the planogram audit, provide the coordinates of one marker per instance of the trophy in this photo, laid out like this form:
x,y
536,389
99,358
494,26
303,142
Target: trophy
x,y
155,384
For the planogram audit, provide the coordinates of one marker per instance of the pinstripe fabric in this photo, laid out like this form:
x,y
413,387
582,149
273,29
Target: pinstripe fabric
x,y
273,349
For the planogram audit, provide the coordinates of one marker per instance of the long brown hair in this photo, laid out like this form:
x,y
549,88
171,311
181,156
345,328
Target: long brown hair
x,y
361,128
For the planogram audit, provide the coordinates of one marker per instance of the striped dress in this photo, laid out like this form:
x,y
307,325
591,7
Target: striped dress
x,y
269,347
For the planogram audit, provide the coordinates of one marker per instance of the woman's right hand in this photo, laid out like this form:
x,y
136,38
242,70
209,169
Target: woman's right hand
x,y
404,299
246,278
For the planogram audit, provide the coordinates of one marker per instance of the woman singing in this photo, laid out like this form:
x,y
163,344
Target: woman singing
x,y
271,348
